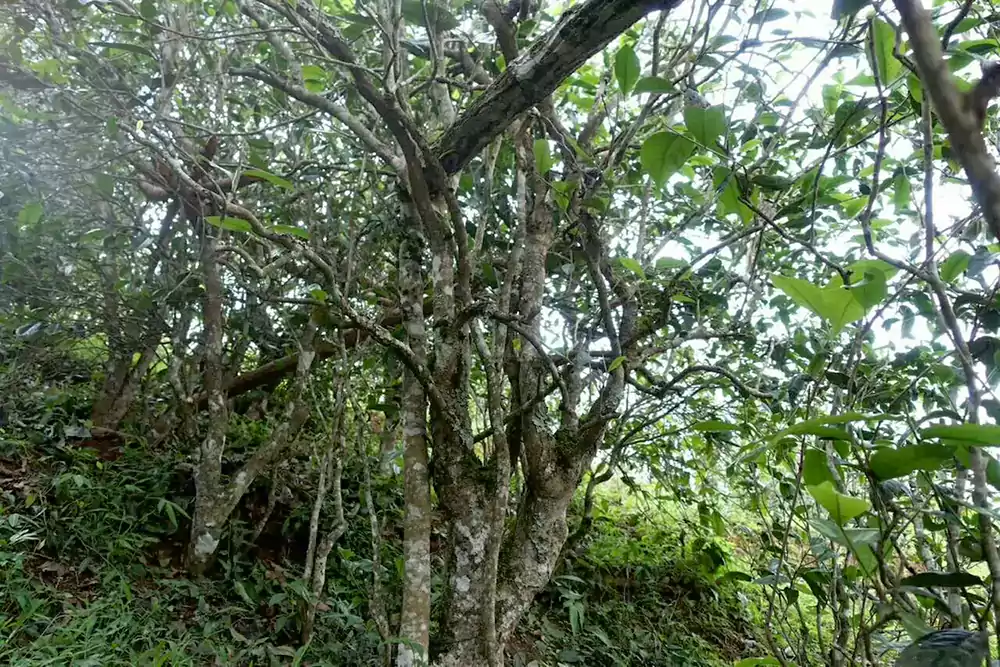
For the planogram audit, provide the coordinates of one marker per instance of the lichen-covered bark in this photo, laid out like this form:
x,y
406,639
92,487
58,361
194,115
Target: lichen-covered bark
x,y
206,525
582,31
485,593
215,500
414,624
330,476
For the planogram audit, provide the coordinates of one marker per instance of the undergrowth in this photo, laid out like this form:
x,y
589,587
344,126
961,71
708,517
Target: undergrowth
x,y
90,575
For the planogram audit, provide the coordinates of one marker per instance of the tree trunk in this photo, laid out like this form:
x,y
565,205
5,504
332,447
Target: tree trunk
x,y
415,612
214,499
206,520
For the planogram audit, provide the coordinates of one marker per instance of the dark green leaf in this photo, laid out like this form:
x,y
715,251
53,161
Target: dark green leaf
x,y
771,14
441,20
842,8
941,580
772,182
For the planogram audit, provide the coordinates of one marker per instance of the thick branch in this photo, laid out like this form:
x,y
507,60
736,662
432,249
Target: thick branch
x,y
582,31
960,122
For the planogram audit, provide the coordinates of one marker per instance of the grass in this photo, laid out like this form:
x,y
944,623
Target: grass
x,y
90,575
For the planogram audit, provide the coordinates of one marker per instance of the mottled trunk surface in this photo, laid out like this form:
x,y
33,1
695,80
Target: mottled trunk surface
x,y
207,521
415,611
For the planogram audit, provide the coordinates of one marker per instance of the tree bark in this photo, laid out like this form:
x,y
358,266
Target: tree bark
x,y
214,499
416,604
206,522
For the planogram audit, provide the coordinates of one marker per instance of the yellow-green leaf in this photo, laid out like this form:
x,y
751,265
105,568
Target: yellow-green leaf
x,y
706,125
289,229
880,45
627,69
970,434
270,178
663,154
232,224
842,508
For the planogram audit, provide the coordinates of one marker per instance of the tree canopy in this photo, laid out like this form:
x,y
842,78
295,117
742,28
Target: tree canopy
x,y
492,258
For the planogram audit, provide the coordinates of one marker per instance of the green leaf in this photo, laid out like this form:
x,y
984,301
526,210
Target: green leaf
x,y
816,468
772,182
901,192
30,214
714,426
842,508
663,154
440,18
105,184
954,266
730,196
627,69
941,580
291,230
543,156
842,8
616,363
270,178
315,77
837,305
242,592
863,266
766,15
848,114
871,290
706,125
915,87
232,224
632,265
993,471
314,73
971,434
854,206
888,463
880,55
147,9
802,292
735,575
818,426
756,662
653,84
